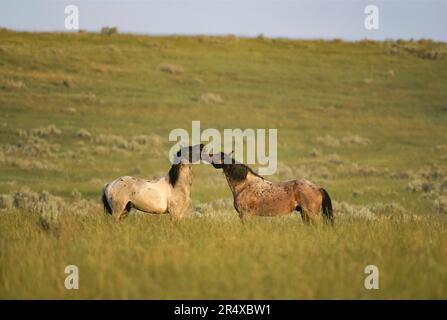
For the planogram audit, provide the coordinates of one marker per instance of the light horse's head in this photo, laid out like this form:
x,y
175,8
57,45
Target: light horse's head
x,y
189,155
183,160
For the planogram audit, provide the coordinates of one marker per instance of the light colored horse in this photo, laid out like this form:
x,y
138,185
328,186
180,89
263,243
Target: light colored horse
x,y
255,196
168,194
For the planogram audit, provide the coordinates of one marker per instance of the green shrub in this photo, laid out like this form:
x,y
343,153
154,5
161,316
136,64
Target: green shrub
x,y
108,31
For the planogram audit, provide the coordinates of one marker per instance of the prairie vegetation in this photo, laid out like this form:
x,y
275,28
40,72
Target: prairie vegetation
x,y
366,120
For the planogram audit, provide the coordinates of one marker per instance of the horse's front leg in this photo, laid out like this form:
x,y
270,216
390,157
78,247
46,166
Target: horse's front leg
x,y
245,216
177,214
177,208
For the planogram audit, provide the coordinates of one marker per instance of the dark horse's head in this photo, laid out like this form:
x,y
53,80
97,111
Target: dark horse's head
x,y
233,169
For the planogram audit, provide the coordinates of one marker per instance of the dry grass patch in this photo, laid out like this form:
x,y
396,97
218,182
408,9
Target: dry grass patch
x,y
50,130
441,204
310,172
330,141
12,85
36,147
211,98
27,164
216,208
135,143
46,205
171,68
83,134
42,132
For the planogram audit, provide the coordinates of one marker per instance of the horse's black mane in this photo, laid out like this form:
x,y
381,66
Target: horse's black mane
x,y
173,174
191,154
239,171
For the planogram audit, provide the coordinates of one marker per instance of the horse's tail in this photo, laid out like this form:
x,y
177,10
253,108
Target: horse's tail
x,y
105,202
326,205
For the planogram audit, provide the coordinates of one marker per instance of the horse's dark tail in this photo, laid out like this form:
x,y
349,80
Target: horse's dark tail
x,y
105,202
326,205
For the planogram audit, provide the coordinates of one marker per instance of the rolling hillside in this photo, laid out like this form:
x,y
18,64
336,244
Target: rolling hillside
x,y
367,120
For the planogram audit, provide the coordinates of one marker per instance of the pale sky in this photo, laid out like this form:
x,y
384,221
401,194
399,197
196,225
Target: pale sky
x,y
274,18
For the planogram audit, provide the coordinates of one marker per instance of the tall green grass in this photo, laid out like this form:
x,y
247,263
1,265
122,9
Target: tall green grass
x,y
367,120
152,258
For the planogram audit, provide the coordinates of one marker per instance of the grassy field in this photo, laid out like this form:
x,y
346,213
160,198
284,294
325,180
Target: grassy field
x,y
366,120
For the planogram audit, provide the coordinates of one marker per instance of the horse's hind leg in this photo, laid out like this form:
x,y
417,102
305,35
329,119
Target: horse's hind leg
x,y
307,215
305,218
118,215
122,212
303,214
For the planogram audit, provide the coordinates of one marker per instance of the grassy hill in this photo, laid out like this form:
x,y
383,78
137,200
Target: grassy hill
x,y
366,120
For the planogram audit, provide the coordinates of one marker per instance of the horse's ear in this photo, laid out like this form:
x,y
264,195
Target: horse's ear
x,y
195,152
179,152
227,158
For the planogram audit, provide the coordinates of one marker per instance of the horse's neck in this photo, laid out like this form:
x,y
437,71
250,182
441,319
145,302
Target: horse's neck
x,y
184,180
231,185
237,186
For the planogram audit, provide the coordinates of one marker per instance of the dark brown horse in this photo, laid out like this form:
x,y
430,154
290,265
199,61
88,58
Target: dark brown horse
x,y
255,196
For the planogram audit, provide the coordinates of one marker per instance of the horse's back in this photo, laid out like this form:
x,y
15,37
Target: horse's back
x,y
151,196
266,198
145,195
121,185
305,185
278,198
